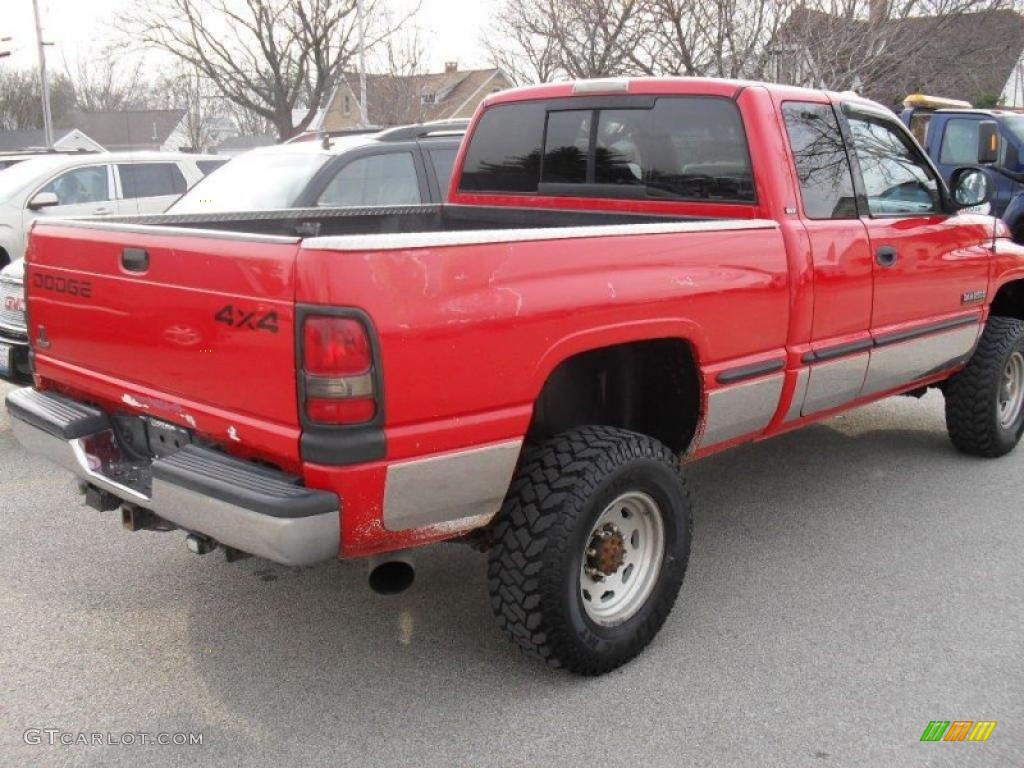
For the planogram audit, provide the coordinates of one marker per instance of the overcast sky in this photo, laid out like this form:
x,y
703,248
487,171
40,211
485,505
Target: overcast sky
x,y
450,29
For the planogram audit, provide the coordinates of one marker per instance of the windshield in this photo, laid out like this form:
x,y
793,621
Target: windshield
x,y
15,178
255,181
1015,125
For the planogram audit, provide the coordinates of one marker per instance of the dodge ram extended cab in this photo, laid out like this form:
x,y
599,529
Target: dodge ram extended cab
x,y
627,272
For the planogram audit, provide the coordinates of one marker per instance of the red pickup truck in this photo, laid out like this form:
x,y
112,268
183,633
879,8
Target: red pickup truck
x,y
627,272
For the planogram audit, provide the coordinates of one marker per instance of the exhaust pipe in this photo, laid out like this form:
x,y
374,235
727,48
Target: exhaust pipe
x,y
391,573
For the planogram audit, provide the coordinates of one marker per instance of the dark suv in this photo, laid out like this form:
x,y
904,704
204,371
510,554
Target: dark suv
x,y
409,165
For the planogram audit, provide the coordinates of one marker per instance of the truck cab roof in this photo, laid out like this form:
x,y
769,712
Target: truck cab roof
x,y
667,86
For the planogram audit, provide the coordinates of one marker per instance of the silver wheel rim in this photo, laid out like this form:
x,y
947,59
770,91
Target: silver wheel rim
x,y
1011,391
612,595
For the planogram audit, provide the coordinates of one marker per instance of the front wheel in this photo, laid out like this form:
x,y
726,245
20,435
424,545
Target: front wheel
x,y
985,401
590,548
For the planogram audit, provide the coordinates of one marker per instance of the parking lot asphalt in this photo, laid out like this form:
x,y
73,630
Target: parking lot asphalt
x,y
848,584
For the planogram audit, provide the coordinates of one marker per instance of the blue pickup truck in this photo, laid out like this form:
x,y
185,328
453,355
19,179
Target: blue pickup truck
x,y
956,134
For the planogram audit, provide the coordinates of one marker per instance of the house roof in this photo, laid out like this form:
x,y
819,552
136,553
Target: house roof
x,y
969,56
246,142
129,130
33,138
398,100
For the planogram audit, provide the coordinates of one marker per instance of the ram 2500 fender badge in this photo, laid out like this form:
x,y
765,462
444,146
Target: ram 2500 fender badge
x,y
972,296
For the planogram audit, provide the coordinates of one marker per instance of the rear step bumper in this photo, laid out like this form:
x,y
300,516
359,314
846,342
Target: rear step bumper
x,y
237,503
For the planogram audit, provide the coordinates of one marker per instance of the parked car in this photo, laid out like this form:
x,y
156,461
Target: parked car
x,y
77,184
408,165
627,271
86,184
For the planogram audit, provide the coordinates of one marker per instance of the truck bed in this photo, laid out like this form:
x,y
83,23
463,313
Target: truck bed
x,y
320,222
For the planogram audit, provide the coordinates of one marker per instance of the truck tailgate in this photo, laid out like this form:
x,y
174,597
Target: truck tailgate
x,y
188,317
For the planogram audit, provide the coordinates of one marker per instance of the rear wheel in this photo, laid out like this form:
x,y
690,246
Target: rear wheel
x,y
590,548
985,401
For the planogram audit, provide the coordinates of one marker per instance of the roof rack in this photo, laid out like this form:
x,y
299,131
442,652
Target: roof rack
x,y
422,130
320,135
48,151
924,101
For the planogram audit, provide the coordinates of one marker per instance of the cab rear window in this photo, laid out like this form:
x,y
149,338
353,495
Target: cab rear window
x,y
683,148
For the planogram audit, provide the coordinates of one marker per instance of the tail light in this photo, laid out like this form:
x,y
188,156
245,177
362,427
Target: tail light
x,y
337,370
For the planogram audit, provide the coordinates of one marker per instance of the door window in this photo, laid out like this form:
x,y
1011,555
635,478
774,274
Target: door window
x,y
81,185
206,167
388,179
566,142
822,167
960,142
897,180
443,161
151,180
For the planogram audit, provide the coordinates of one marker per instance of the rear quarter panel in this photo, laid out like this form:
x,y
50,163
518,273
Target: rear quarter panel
x,y
470,333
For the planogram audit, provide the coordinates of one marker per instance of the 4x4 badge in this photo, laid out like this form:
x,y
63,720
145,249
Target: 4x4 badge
x,y
972,296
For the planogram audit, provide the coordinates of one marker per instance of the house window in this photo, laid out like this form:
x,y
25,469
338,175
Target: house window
x,y
348,104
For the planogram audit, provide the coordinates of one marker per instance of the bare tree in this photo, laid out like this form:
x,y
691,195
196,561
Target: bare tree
x,y
835,43
199,98
21,102
269,57
248,122
524,55
397,93
107,82
883,47
568,38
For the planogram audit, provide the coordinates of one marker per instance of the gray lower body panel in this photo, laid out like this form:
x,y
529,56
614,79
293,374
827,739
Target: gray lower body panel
x,y
462,489
741,409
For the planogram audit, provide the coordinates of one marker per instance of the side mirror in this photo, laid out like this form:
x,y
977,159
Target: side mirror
x,y
43,200
971,187
988,142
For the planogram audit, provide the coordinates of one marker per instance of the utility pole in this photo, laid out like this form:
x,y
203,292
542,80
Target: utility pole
x,y
361,21
44,83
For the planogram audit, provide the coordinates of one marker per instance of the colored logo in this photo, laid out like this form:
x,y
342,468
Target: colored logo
x,y
958,730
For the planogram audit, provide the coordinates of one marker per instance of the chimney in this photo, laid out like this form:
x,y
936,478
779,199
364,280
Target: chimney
x,y
451,67
878,11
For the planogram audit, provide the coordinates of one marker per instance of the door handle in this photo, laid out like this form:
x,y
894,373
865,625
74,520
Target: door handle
x,y
135,259
886,256
101,212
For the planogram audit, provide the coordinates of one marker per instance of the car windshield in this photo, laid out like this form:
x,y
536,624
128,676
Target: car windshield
x,y
1015,125
15,178
255,181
